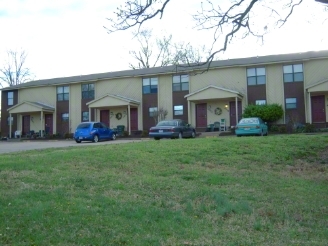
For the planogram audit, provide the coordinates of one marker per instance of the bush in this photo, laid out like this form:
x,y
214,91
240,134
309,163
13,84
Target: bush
x,y
282,129
68,135
309,128
268,112
125,134
144,133
274,128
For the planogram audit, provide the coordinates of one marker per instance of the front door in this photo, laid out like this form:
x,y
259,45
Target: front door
x,y
48,124
104,117
134,119
318,109
232,111
26,124
201,115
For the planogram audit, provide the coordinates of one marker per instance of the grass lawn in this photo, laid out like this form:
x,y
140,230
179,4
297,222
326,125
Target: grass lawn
x,y
206,191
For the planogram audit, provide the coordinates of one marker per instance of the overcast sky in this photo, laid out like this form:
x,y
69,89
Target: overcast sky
x,y
67,38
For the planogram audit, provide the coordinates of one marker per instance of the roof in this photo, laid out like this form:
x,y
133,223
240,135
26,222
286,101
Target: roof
x,y
173,69
39,105
215,87
120,97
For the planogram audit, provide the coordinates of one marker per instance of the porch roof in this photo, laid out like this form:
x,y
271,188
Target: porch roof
x,y
321,86
213,92
29,107
112,100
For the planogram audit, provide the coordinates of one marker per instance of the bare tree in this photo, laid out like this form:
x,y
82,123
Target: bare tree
x,y
159,115
146,56
162,51
239,19
14,71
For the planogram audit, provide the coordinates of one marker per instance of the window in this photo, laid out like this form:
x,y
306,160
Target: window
x,y
85,116
181,83
293,73
260,102
97,125
88,91
149,85
152,111
290,103
256,76
65,117
178,110
10,98
63,93
10,121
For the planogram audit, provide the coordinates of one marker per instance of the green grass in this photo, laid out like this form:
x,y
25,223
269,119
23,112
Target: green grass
x,y
207,191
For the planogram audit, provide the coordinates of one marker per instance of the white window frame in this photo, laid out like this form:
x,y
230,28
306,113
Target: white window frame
x,y
290,102
178,110
260,102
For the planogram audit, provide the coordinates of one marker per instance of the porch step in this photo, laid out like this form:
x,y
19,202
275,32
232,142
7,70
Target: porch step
x,y
209,134
213,134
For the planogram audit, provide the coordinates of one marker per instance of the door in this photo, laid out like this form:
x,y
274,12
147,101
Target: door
x,y
104,117
48,124
232,111
134,119
26,124
201,115
318,109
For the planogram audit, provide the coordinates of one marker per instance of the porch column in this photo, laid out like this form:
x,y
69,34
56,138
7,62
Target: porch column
x,y
89,114
10,122
42,125
236,110
129,120
189,112
309,108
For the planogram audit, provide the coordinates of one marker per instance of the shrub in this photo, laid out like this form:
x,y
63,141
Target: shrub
x,y
68,135
309,127
125,134
268,112
282,129
274,128
144,133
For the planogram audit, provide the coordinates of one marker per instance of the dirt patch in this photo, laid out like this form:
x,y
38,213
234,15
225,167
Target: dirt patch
x,y
311,167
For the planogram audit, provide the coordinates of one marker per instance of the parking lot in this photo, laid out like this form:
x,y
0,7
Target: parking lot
x,y
16,146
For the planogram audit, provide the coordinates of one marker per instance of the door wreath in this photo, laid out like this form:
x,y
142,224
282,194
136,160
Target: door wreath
x,y
118,116
218,111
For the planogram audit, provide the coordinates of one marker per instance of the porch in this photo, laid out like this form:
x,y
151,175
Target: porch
x,y
317,104
33,117
116,111
214,108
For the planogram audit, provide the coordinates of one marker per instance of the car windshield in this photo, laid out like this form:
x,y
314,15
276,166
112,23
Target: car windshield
x,y
168,123
249,121
83,126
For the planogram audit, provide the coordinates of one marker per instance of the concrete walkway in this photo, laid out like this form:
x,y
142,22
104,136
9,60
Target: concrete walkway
x,y
17,146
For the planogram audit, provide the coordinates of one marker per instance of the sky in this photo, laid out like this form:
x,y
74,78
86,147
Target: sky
x,y
67,37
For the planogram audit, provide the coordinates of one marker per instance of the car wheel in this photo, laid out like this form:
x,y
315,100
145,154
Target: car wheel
x,y
193,134
114,136
180,135
267,133
95,139
261,134
78,141
238,135
157,138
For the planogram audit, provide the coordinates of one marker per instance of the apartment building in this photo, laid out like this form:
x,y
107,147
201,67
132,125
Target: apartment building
x,y
200,95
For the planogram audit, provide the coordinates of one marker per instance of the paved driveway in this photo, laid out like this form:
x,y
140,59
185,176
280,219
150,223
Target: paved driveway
x,y
15,146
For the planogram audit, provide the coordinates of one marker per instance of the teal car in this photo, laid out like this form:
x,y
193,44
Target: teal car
x,y
251,126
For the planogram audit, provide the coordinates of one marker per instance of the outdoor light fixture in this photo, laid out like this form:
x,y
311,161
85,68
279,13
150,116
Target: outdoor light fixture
x,y
226,107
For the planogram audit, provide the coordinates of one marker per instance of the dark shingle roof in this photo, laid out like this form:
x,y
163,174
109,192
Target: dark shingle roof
x,y
282,58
